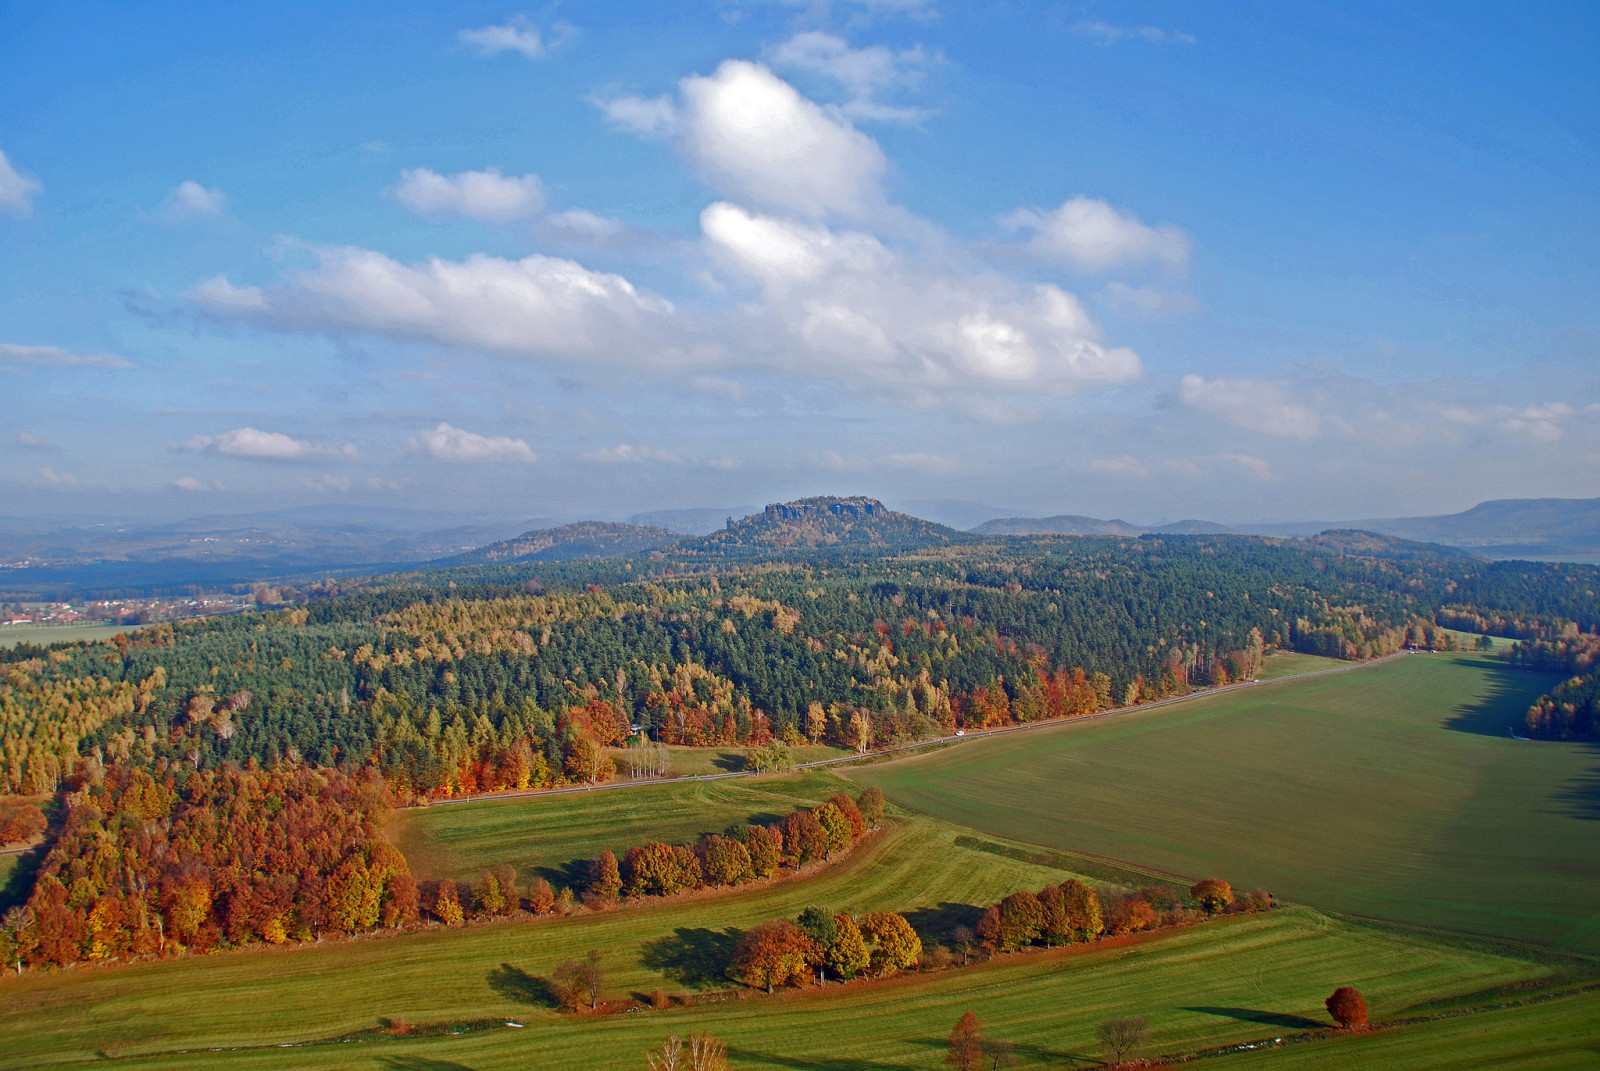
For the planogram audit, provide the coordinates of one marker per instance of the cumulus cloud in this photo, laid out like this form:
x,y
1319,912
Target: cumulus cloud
x,y
16,189
32,441
448,443
189,201
56,357
519,35
486,195
1105,35
585,225
624,453
57,479
261,445
848,306
1252,404
1094,236
537,306
189,483
752,136
865,74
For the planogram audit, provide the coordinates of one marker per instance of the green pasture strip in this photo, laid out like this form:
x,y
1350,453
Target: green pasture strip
x,y
1537,1034
271,995
1290,663
43,635
542,834
701,761
1214,984
1394,792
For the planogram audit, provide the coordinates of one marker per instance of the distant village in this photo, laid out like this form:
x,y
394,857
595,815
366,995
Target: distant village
x,y
122,611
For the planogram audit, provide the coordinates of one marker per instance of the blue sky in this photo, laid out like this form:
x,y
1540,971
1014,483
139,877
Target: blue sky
x,y
1152,261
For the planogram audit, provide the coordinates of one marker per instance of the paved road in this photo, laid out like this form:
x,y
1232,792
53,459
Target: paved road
x,y
612,786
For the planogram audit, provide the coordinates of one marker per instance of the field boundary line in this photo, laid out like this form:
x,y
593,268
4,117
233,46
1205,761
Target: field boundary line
x,y
901,750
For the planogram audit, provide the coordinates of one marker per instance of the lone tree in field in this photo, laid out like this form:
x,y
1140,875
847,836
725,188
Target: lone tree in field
x,y
966,1044
1214,894
1123,1038
1348,1007
871,806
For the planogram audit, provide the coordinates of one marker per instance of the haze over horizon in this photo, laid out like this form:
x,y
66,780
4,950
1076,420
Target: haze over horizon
x,y
1137,261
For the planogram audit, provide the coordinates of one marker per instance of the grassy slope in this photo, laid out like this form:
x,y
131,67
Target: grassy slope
x,y
11,635
1215,984
543,834
1288,663
1391,791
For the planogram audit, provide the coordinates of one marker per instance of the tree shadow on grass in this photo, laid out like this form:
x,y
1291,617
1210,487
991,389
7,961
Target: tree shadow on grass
x,y
417,1063
516,984
1504,704
1283,1020
1581,795
697,958
574,874
19,883
1030,1054
940,923
731,762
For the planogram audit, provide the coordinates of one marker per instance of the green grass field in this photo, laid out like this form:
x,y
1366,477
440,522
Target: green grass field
x,y
1214,984
11,635
1289,663
1390,791
542,834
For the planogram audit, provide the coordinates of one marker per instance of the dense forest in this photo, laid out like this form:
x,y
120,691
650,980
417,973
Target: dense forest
x,y
858,627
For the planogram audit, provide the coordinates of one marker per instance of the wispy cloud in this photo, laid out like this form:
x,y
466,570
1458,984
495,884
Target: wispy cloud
x,y
32,441
485,195
191,201
867,75
262,445
56,357
17,189
518,34
1105,35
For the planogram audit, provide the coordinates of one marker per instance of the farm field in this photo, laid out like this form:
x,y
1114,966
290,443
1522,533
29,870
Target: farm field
x,y
703,761
1393,791
1218,983
11,635
541,834
1289,663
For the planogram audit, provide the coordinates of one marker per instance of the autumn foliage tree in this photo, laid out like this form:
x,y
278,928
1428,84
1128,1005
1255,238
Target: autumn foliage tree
x,y
1347,1007
1213,894
775,953
606,885
847,954
892,945
966,1044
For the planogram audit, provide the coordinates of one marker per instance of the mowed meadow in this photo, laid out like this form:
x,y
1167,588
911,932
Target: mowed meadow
x,y
1392,791
1212,984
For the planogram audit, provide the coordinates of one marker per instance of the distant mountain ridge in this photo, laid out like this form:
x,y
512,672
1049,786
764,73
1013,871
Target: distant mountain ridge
x,y
571,542
821,523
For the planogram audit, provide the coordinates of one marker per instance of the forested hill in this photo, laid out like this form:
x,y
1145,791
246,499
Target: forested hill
x,y
570,542
1372,545
827,523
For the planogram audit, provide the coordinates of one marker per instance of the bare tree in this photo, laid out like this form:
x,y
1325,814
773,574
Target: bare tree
x,y
1000,1054
707,1053
1123,1038
668,1056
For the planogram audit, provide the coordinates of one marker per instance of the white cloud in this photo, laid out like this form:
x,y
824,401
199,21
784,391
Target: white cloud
x,y
1541,423
449,443
16,189
583,224
1183,466
1252,404
56,357
327,483
189,483
650,117
482,195
261,445
1148,302
755,138
1253,465
1124,466
517,34
928,464
32,441
189,200
730,389
626,453
865,74
1105,35
849,308
1094,236
537,306
58,479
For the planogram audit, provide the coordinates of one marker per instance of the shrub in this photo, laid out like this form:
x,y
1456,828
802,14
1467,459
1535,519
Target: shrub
x,y
1213,894
1348,1007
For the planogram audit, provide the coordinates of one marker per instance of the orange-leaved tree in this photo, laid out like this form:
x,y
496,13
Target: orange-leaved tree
x,y
1213,894
1348,1007
774,953
966,1044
